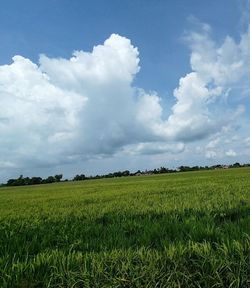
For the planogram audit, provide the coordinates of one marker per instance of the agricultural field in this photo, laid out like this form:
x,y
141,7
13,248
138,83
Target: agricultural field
x,y
174,230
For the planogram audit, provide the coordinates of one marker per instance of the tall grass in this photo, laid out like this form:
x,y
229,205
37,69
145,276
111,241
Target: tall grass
x,y
174,230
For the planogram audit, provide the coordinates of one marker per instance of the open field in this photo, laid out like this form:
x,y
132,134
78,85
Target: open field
x,y
174,230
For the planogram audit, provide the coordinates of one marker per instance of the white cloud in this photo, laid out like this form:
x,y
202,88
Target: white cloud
x,y
210,154
247,141
231,153
217,71
35,113
213,143
65,110
149,148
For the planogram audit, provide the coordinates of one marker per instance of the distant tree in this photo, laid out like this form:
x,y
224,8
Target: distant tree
x,y
50,179
35,180
117,174
163,170
58,178
183,168
126,173
79,177
236,165
20,181
11,182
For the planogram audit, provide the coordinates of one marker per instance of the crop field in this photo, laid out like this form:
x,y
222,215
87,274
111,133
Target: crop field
x,y
174,230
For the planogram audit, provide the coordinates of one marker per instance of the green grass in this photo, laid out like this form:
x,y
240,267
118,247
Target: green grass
x,y
174,230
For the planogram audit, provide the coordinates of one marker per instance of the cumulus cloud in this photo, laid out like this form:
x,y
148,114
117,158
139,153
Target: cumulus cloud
x,y
218,73
35,114
231,153
218,70
64,110
151,148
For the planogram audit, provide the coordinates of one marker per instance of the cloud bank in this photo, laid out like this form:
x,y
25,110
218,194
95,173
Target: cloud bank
x,y
65,110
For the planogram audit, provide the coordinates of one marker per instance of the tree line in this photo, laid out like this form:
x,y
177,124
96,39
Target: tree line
x,y
22,181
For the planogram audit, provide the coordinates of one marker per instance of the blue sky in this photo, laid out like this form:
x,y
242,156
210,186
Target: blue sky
x,y
58,116
58,27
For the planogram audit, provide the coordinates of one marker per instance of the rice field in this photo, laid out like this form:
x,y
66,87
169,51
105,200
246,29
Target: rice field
x,y
173,230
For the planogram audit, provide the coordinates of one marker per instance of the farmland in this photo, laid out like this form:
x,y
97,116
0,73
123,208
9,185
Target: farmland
x,y
173,230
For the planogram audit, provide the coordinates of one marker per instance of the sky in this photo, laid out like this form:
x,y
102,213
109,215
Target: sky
x,y
98,86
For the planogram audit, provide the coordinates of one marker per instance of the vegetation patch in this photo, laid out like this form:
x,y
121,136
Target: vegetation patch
x,y
171,230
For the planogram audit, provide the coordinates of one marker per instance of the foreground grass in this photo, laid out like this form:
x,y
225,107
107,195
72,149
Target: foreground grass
x,y
176,230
